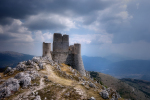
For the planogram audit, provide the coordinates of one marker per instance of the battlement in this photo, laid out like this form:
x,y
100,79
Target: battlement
x,y
60,43
57,37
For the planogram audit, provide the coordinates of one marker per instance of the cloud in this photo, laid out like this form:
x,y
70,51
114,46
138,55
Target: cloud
x,y
49,22
15,32
42,37
91,38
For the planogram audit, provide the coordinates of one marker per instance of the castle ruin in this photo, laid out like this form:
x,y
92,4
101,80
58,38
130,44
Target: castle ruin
x,y
63,53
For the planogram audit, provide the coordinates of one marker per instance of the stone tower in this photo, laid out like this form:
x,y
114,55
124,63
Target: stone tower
x,y
63,53
60,47
47,50
74,58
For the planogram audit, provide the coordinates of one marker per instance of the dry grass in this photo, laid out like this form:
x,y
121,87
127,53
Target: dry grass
x,y
9,76
15,94
50,92
37,81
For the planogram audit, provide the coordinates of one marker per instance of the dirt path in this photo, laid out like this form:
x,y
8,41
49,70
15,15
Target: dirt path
x,y
53,77
26,93
41,86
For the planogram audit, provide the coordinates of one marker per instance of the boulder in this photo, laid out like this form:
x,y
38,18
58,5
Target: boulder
x,y
25,81
37,97
7,70
46,77
21,75
40,65
92,85
36,59
92,98
104,94
21,67
29,62
9,87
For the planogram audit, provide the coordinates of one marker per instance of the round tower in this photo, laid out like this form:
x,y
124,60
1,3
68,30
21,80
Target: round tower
x,y
77,48
78,63
47,49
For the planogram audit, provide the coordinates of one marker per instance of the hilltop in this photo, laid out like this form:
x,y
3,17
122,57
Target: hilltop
x,y
44,79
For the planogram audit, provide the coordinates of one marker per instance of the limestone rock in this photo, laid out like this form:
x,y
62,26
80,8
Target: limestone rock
x,y
25,81
37,97
21,67
40,65
9,87
92,98
36,59
29,62
104,94
21,75
7,70
92,85
46,77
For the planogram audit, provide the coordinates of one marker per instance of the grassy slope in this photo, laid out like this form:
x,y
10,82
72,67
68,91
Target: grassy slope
x,y
144,86
125,90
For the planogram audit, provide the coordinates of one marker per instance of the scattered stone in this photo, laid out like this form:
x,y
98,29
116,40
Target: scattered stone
x,y
21,67
29,62
7,70
25,81
46,77
9,87
92,85
36,59
37,97
92,98
40,65
47,80
104,94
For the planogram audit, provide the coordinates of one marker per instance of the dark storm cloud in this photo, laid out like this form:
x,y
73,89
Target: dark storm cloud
x,y
5,37
41,24
6,21
23,8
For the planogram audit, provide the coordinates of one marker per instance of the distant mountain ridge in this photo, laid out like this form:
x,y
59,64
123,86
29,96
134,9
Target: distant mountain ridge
x,y
10,58
138,69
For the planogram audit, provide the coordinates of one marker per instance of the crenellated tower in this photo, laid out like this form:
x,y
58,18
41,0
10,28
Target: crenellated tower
x,y
60,47
63,53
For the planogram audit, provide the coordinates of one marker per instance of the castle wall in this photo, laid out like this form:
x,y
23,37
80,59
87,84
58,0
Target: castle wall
x,y
78,64
74,58
47,49
77,48
57,37
60,47
60,43
59,57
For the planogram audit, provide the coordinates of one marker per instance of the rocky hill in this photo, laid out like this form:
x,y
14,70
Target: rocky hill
x,y
44,79
141,85
125,90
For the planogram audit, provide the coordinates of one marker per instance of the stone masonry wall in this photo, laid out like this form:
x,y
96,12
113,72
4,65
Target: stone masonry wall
x,y
47,50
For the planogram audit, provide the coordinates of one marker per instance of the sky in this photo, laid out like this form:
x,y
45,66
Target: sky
x,y
103,27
